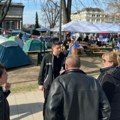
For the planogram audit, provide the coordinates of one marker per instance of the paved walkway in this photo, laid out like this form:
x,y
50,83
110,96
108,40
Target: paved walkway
x,y
26,106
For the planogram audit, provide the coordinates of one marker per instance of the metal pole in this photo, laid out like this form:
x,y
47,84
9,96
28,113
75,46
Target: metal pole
x,y
60,20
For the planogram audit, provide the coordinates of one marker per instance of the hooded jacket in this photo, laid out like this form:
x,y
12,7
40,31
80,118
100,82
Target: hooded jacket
x,y
111,87
103,72
75,96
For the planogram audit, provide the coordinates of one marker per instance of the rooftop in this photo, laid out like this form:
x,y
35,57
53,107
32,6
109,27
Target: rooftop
x,y
13,4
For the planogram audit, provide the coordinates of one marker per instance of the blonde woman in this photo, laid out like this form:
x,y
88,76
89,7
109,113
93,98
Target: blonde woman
x,y
110,82
109,61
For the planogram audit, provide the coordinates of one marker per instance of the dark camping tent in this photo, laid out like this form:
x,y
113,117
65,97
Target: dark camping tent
x,y
11,55
34,45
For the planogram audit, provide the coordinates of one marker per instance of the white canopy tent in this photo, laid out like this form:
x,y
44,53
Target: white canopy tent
x,y
88,27
108,27
77,26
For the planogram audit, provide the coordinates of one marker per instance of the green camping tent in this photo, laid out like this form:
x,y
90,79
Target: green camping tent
x,y
12,38
34,45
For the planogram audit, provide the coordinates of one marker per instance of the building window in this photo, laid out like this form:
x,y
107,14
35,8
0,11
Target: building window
x,y
13,25
7,26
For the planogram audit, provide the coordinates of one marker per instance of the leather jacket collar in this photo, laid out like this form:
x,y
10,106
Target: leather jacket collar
x,y
74,70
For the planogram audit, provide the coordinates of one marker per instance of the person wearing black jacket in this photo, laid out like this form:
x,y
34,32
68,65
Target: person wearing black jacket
x,y
109,79
4,105
76,96
50,68
111,87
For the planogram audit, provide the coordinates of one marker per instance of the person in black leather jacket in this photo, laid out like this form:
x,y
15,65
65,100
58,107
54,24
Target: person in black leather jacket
x,y
4,106
76,96
50,68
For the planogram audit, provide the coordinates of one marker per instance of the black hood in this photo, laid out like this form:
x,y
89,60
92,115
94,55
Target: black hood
x,y
103,70
116,73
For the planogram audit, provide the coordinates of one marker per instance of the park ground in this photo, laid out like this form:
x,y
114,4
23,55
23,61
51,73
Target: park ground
x,y
25,78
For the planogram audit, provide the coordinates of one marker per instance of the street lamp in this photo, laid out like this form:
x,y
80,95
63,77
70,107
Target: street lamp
x,y
60,20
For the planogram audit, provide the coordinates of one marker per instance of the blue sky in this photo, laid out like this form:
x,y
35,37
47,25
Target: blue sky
x,y
31,6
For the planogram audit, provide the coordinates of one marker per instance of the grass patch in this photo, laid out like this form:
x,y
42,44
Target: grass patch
x,y
23,87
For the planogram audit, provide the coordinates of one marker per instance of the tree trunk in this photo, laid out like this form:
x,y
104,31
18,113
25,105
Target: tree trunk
x,y
66,11
4,10
69,10
64,18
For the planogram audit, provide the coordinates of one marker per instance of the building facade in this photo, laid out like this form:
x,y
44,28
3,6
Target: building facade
x,y
14,17
94,15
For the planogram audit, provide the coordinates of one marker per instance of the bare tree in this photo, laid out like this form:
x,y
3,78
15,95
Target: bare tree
x,y
51,12
114,6
67,5
4,9
114,10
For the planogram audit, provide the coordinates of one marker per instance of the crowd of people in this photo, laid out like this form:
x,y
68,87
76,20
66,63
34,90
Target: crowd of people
x,y
75,44
70,94
99,39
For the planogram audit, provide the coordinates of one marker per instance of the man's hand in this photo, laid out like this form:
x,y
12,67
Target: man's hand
x,y
62,71
41,87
